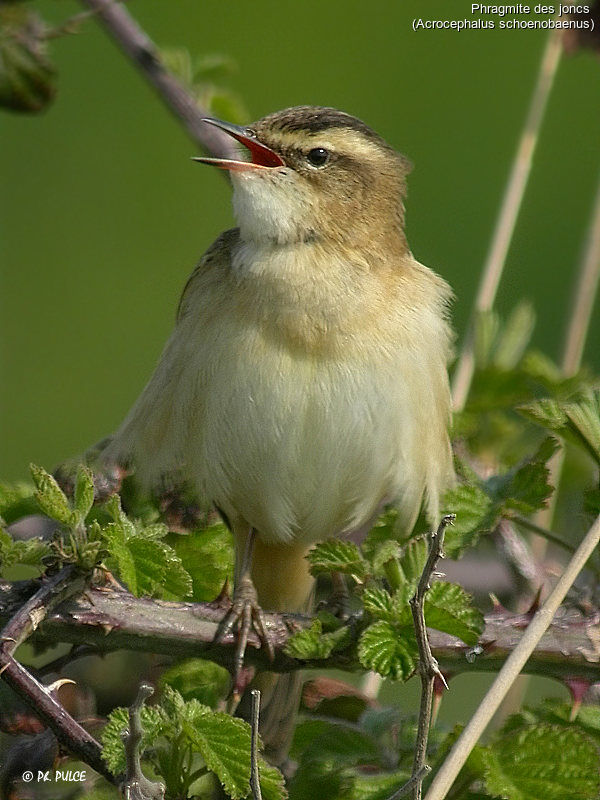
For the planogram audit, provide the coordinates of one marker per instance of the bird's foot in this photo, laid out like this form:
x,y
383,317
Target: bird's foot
x,y
247,615
338,603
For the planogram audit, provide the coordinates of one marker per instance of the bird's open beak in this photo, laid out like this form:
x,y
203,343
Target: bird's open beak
x,y
262,156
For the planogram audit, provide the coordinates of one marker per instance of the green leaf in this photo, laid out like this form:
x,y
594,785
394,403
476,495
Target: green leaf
x,y
224,744
336,555
390,651
343,743
544,761
198,679
312,643
474,515
50,497
379,603
448,608
272,782
390,607
525,488
376,787
84,491
413,558
29,552
120,558
27,76
16,501
176,583
208,557
113,751
577,421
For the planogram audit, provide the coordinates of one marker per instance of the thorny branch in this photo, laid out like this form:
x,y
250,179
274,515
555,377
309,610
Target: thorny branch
x,y
428,666
114,620
21,624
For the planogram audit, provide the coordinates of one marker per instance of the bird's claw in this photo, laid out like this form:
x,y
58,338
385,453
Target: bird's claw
x,y
248,615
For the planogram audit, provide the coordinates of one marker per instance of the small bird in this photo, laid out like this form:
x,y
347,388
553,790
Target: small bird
x,y
305,383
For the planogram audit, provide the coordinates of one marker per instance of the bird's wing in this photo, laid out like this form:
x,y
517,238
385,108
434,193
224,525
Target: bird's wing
x,y
219,253
153,438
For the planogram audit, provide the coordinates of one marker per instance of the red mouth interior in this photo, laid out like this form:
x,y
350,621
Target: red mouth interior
x,y
260,154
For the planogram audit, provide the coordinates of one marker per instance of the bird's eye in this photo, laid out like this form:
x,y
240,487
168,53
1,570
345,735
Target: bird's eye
x,y
318,156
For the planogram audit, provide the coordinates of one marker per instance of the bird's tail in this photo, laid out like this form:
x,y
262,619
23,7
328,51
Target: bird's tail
x,y
283,583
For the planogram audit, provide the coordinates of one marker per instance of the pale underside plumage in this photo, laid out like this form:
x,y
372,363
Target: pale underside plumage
x,y
301,388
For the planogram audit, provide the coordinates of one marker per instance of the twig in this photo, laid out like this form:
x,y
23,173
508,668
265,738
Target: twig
x,y
136,44
69,732
24,622
507,218
254,773
410,784
428,666
19,627
136,785
470,736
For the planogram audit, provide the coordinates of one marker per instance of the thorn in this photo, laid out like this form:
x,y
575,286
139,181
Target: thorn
x,y
535,603
439,687
578,688
54,687
224,596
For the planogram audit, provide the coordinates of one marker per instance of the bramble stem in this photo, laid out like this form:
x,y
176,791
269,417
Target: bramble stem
x,y
428,666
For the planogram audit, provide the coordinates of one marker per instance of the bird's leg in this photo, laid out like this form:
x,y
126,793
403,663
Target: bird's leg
x,y
245,612
338,602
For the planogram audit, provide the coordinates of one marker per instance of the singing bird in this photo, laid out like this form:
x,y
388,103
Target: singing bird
x,y
305,383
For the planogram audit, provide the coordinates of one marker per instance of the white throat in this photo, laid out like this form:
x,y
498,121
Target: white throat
x,y
270,206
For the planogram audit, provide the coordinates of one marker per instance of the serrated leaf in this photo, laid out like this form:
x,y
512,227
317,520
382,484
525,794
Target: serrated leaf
x,y
312,643
113,751
543,761
224,744
198,679
378,602
336,555
525,488
272,782
390,652
448,608
50,497
584,418
84,491
208,558
546,412
120,557
391,607
149,563
413,558
474,515
577,421
176,583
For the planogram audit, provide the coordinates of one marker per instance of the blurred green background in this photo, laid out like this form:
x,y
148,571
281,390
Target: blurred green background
x,y
103,215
